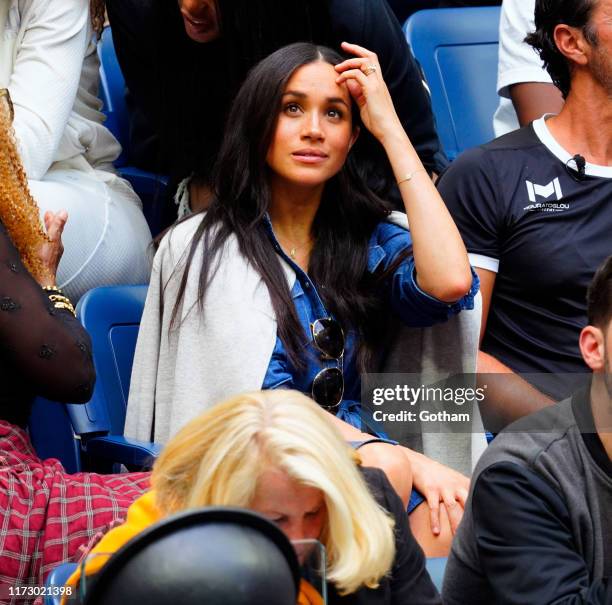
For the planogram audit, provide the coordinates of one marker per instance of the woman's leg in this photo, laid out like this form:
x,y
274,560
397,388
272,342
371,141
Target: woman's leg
x,y
392,462
106,237
420,524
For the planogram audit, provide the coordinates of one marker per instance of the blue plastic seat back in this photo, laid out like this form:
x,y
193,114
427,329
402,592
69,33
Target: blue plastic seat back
x,y
111,315
112,93
52,436
458,49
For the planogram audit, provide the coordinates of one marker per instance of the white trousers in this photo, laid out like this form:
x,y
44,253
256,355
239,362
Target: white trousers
x,y
106,239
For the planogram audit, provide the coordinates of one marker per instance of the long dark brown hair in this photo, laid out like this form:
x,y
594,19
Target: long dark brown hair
x,y
343,225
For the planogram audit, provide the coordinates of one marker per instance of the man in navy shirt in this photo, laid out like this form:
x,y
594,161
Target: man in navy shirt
x,y
537,526
535,210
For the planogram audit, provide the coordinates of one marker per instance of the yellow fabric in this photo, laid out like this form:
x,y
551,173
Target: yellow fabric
x,y
308,595
141,514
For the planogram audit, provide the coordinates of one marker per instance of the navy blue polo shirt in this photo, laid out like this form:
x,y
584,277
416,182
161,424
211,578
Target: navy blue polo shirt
x,y
525,214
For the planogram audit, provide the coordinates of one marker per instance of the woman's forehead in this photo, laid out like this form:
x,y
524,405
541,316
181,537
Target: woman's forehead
x,y
318,79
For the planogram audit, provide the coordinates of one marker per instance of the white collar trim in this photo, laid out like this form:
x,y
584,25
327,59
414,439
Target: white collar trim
x,y
545,136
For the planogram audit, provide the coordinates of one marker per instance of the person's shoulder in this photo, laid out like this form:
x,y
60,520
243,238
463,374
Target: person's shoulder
x,y
523,441
178,237
517,140
485,160
177,240
377,483
520,139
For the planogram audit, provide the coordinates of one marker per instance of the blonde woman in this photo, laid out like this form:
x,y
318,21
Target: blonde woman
x,y
48,61
276,452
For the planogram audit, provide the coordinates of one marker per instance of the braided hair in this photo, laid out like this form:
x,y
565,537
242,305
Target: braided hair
x,y
19,212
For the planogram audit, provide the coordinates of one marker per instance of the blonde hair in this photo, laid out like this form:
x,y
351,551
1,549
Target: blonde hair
x,y
19,212
218,458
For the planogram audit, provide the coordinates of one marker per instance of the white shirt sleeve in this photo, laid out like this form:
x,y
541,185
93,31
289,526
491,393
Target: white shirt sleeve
x,y
45,78
518,61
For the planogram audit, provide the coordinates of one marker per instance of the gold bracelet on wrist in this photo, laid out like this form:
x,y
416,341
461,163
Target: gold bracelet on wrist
x,y
56,296
409,176
66,306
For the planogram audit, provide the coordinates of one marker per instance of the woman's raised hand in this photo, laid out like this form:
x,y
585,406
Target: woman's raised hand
x,y
363,77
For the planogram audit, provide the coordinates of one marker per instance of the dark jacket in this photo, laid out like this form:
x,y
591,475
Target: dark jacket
x,y
140,50
408,582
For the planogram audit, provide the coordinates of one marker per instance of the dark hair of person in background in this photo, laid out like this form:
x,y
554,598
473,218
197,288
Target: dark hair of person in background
x,y
599,296
549,14
348,214
249,32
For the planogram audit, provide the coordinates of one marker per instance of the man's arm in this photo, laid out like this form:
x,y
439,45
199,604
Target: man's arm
x,y
532,100
509,396
525,543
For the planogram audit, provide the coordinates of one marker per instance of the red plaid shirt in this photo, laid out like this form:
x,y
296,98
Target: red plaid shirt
x,y
48,515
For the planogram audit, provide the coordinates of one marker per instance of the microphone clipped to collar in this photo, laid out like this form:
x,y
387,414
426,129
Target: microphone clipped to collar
x,y
578,170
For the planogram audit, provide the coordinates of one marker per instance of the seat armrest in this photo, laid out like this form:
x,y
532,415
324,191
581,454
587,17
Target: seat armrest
x,y
120,449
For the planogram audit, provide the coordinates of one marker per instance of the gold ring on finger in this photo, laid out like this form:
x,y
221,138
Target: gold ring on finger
x,y
370,69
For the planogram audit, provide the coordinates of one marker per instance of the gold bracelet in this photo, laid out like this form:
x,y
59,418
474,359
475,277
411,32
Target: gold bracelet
x,y
56,296
409,176
66,306
59,298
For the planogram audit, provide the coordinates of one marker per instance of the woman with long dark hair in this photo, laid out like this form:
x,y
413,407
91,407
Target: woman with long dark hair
x,y
185,61
293,275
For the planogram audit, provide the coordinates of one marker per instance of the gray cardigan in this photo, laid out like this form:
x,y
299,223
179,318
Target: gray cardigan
x,y
178,373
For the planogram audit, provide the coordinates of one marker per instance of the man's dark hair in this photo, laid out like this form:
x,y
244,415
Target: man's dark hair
x,y
599,296
549,14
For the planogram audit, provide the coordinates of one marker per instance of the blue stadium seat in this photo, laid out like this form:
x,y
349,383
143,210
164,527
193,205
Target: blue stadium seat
x,y
111,315
457,49
149,186
56,579
435,567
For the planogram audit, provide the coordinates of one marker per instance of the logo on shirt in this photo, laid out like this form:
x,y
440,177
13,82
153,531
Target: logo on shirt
x,y
545,191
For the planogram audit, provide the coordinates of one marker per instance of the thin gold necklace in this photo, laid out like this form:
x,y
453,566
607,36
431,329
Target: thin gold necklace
x,y
293,250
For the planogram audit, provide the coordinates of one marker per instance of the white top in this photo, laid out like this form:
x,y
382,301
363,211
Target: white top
x,y
49,63
518,61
